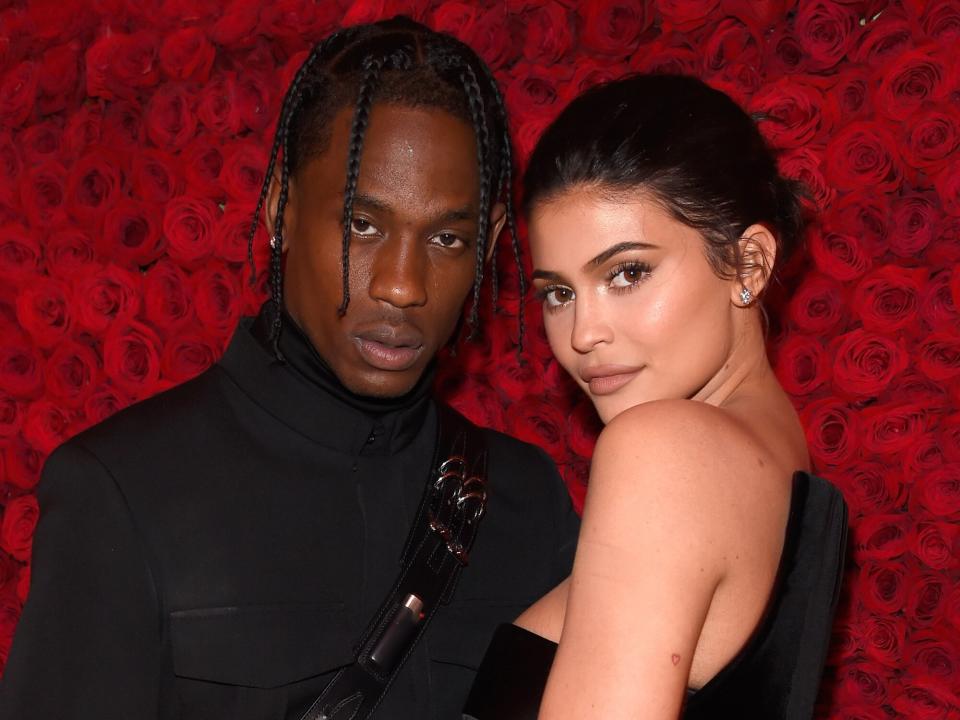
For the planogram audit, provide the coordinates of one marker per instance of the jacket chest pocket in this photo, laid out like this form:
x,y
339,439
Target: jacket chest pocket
x,y
260,661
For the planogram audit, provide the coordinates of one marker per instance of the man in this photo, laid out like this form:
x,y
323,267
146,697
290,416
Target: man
x,y
219,550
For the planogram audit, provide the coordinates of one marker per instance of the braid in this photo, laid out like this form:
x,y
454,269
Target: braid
x,y
361,117
475,98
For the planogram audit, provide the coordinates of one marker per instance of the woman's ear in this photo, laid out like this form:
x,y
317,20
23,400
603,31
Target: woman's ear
x,y
270,210
758,253
498,217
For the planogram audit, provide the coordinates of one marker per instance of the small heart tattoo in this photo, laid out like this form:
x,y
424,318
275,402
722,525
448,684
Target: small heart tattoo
x,y
675,658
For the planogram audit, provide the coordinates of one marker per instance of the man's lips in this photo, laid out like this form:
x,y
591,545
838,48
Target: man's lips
x,y
389,347
607,379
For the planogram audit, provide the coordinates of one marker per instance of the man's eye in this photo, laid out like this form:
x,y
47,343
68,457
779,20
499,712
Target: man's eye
x,y
448,240
362,227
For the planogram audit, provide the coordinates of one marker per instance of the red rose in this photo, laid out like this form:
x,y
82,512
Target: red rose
x,y
784,55
880,537
16,530
881,587
169,119
538,421
131,234
237,24
18,94
548,32
120,65
923,455
884,37
72,373
534,91
884,638
187,54
11,165
10,418
866,362
936,544
916,219
59,78
105,296
947,184
68,252
817,305
23,463
519,379
872,488
686,16
857,712
931,138
167,297
293,20
232,233
891,430
217,298
43,194
40,143
863,682
94,185
188,227
45,425
203,163
941,21
838,254
832,431
590,72
123,124
255,103
938,491
21,370
243,171
949,436
155,177
43,310
668,55
801,364
185,356
764,14
934,653
131,358
614,27
888,298
103,403
940,356
583,428
84,129
923,390
217,108
850,97
867,216
863,154
803,165
925,699
913,78
790,112
731,41
926,599
825,31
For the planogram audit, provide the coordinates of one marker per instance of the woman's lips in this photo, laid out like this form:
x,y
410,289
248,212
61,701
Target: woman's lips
x,y
607,379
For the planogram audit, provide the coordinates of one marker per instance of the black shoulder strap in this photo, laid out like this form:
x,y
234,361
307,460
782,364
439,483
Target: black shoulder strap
x,y
436,550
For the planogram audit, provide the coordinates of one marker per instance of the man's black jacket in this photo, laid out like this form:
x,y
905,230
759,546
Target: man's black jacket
x,y
216,551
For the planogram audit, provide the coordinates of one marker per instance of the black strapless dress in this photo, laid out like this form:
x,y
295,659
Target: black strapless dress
x,y
775,676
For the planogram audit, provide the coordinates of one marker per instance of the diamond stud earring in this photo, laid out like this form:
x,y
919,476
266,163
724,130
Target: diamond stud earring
x,y
746,296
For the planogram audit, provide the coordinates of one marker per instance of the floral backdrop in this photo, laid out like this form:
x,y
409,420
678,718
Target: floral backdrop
x,y
133,138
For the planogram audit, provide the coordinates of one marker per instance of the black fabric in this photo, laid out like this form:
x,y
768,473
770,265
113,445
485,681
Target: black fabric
x,y
215,551
775,676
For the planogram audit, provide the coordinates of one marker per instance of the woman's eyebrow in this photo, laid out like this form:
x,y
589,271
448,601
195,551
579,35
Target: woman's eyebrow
x,y
616,249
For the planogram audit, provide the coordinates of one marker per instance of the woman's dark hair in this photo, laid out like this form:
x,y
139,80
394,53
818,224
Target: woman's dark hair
x,y
395,61
692,148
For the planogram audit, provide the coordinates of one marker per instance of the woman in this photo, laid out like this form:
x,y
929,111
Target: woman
x,y
709,560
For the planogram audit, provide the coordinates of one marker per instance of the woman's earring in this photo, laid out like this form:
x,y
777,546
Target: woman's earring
x,y
746,296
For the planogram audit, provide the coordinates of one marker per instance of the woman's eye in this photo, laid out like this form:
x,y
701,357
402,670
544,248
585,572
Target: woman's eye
x,y
629,276
447,240
362,227
557,296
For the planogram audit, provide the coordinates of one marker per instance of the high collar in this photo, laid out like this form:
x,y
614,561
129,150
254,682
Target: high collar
x,y
302,391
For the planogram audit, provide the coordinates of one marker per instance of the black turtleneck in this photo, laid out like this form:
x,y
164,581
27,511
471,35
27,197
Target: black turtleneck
x,y
216,551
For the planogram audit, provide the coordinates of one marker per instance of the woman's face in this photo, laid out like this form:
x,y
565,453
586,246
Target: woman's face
x,y
631,306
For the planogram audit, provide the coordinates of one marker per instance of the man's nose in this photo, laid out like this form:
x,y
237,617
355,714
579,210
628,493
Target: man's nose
x,y
400,272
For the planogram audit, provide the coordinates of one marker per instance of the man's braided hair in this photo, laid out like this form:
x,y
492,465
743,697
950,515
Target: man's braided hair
x,y
400,62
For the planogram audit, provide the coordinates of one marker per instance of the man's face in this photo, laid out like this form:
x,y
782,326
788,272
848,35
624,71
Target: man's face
x,y
412,250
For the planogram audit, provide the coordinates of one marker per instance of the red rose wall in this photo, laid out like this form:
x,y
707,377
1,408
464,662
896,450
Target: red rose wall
x,y
133,138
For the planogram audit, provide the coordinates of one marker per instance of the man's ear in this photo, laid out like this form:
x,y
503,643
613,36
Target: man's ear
x,y
498,218
758,253
273,201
